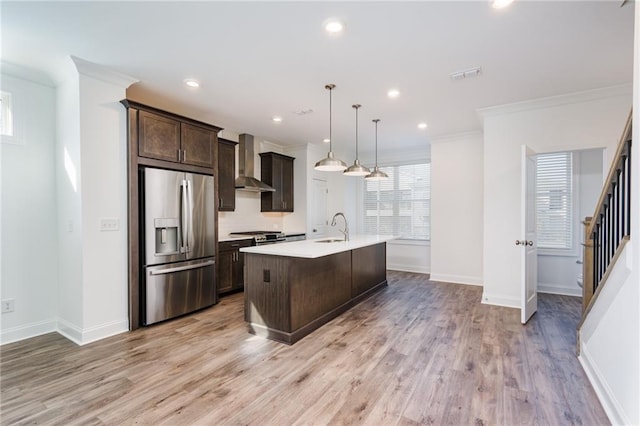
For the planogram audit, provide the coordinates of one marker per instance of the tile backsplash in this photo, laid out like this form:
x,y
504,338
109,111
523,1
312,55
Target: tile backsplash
x,y
247,216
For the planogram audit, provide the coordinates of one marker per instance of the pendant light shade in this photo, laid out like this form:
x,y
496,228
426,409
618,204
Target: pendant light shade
x,y
330,164
376,174
357,169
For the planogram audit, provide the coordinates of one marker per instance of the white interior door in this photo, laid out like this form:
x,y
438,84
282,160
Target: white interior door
x,y
318,214
529,271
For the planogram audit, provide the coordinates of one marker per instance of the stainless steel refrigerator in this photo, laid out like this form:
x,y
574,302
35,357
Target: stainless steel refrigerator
x,y
179,243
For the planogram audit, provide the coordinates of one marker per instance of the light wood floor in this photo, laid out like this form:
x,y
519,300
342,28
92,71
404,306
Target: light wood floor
x,y
419,352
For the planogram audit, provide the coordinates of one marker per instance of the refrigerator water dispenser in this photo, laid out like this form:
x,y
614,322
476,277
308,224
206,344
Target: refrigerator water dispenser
x,y
166,236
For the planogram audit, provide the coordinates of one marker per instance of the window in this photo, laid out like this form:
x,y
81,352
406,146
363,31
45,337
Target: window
x,y
6,114
554,200
399,205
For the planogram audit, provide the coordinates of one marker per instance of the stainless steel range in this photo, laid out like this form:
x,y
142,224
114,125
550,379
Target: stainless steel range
x,y
262,237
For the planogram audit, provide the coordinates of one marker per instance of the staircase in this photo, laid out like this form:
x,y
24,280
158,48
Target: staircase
x,y
609,230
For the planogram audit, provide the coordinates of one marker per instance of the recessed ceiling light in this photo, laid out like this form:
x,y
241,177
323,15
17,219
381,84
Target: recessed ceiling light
x,y
276,119
333,26
499,4
422,126
192,82
326,140
393,93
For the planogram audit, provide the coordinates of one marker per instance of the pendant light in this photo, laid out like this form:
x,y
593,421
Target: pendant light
x,y
357,169
330,164
376,174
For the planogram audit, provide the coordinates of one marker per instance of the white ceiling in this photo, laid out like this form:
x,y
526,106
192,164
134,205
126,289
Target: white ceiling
x,y
255,60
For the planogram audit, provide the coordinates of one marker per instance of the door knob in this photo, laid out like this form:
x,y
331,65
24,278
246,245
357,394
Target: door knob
x,y
524,243
529,243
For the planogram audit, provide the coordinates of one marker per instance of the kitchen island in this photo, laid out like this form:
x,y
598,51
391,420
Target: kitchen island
x,y
291,289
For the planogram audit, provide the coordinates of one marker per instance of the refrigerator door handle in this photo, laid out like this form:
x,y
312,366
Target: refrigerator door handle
x,y
189,214
183,217
182,268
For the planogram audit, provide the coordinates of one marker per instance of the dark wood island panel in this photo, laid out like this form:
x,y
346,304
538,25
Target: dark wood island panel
x,y
287,298
369,267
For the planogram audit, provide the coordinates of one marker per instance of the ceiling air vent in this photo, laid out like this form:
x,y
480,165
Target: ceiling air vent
x,y
464,74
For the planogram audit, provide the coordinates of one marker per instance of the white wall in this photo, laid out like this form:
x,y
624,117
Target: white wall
x,y
103,132
456,209
609,339
409,256
593,119
91,184
69,187
78,144
29,218
558,274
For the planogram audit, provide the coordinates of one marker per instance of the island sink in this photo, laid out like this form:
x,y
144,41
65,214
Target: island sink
x,y
330,240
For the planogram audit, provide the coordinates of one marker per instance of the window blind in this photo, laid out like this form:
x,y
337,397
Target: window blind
x,y
554,200
401,204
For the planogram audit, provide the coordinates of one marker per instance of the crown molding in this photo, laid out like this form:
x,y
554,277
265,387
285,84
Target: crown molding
x,y
554,101
25,73
102,73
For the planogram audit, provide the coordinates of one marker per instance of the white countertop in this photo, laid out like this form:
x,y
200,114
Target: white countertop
x,y
312,248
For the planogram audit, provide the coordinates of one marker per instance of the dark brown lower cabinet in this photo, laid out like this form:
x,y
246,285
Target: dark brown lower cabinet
x,y
231,265
287,298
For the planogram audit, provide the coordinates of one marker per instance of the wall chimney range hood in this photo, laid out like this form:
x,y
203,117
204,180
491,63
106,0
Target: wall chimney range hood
x,y
245,180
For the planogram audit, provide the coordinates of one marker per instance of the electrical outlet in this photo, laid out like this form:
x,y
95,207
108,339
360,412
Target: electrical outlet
x,y
8,305
109,224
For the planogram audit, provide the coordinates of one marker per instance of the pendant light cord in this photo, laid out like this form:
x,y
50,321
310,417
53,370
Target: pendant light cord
x,y
330,115
330,87
356,107
376,121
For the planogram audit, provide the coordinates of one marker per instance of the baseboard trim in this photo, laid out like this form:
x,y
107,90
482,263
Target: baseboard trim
x,y
508,302
27,331
407,268
83,336
103,331
70,331
609,403
559,289
456,279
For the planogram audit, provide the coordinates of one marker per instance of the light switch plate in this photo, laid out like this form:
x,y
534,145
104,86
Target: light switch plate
x,y
109,224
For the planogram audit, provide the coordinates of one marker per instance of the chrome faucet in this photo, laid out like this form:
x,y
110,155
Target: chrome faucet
x,y
346,225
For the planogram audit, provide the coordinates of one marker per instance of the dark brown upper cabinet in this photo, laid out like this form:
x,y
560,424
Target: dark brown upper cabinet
x,y
226,175
276,170
198,145
170,139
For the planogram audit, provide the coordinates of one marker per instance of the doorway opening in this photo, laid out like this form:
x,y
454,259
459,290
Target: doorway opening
x,y
568,185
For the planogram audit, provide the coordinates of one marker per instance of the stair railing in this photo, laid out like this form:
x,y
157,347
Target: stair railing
x,y
609,229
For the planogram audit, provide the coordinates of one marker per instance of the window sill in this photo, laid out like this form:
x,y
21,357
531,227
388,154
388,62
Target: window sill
x,y
409,242
560,253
